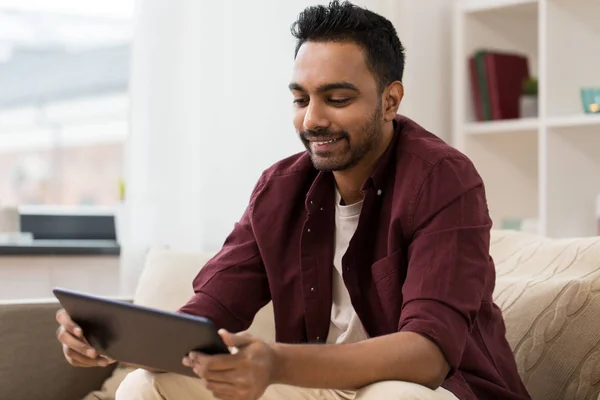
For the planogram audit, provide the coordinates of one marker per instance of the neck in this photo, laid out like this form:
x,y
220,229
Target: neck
x,y
350,181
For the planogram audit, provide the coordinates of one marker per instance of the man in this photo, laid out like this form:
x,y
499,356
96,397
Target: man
x,y
373,246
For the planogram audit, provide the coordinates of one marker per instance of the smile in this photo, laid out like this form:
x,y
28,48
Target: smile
x,y
326,142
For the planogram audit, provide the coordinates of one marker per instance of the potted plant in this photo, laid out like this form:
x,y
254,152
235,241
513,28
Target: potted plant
x,y
528,102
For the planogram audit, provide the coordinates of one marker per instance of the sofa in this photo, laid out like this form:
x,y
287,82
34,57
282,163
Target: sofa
x,y
548,290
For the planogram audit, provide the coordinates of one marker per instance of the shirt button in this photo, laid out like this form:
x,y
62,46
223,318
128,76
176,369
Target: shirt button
x,y
318,338
308,230
312,289
321,208
311,202
379,192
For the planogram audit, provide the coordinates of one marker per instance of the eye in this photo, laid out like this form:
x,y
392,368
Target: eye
x,y
301,101
339,102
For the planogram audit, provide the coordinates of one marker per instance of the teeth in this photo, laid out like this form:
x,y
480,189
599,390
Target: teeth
x,y
326,142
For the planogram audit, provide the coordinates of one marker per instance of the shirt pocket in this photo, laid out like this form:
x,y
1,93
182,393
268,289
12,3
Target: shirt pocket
x,y
392,264
388,275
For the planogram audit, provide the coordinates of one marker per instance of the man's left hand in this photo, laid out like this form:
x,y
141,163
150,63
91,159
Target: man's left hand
x,y
243,375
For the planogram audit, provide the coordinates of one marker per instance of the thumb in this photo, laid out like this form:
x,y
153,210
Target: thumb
x,y
241,339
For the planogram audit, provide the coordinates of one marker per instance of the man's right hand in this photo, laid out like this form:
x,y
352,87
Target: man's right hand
x,y
76,349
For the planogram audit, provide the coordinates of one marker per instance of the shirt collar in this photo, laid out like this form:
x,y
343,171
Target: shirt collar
x,y
383,166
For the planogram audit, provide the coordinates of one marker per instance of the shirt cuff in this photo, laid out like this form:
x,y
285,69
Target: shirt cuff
x,y
441,324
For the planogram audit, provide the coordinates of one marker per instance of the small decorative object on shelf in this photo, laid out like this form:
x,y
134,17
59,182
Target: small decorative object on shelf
x,y
10,220
10,227
119,216
528,102
121,190
529,225
590,98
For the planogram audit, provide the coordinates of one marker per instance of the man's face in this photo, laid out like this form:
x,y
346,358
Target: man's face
x,y
337,104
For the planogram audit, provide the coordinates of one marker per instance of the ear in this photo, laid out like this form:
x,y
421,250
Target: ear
x,y
391,98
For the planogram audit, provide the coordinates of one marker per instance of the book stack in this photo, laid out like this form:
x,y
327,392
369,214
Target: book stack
x,y
497,83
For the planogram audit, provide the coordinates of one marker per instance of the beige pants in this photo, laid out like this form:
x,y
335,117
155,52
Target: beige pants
x,y
144,385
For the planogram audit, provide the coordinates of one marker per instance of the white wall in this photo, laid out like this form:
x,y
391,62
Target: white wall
x,y
211,110
425,28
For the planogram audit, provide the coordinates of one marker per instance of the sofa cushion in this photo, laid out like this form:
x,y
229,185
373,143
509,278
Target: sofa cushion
x,y
549,292
32,364
166,280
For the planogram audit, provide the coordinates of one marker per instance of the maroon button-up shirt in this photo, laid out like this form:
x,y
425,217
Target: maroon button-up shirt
x,y
419,260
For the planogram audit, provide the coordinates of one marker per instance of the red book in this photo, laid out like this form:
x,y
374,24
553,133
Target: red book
x,y
506,73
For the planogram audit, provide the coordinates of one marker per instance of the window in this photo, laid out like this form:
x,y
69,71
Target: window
x,y
64,75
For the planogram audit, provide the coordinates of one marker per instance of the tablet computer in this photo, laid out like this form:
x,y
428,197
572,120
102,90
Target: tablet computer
x,y
139,335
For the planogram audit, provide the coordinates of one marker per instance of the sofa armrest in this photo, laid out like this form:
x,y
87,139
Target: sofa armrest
x,y
32,365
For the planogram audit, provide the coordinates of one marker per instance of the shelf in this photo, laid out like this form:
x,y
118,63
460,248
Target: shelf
x,y
573,185
547,168
530,124
502,126
509,29
573,121
510,173
573,59
63,247
473,6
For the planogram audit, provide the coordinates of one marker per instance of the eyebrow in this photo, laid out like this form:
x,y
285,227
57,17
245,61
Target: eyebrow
x,y
326,87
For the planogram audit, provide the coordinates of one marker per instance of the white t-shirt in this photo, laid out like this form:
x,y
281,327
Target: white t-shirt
x,y
345,326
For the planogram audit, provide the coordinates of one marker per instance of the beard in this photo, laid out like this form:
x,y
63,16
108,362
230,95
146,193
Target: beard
x,y
348,150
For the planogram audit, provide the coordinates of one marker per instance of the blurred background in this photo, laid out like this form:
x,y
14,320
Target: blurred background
x,y
129,124
133,131
64,102
163,114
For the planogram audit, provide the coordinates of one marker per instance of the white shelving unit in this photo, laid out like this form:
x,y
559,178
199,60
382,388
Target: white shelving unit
x,y
545,169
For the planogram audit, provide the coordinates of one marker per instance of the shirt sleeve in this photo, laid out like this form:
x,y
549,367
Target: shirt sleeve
x,y
232,287
449,264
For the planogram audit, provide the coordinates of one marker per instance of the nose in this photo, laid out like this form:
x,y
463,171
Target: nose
x,y
314,117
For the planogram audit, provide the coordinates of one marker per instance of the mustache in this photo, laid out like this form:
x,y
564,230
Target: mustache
x,y
323,135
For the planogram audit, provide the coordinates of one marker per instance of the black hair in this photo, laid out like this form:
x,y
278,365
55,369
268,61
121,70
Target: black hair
x,y
346,22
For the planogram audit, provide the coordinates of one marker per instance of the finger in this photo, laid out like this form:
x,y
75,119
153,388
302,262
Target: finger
x,y
198,369
108,359
74,343
80,360
241,339
65,320
222,391
216,362
229,376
